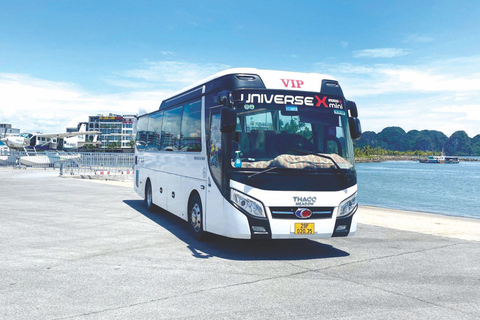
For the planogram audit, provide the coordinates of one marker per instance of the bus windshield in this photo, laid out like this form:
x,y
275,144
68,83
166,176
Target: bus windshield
x,y
272,135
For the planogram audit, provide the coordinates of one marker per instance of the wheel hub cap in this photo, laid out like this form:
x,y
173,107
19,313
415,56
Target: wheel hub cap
x,y
196,217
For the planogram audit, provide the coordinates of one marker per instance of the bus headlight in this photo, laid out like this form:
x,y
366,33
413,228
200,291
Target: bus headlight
x,y
249,205
348,206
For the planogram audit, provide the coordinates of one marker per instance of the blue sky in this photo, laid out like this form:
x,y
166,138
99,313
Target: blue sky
x,y
414,64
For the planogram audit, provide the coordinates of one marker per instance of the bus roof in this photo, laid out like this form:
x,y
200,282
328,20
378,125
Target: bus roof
x,y
262,79
273,79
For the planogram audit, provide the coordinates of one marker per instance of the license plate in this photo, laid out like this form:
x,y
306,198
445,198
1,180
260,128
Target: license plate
x,y
304,228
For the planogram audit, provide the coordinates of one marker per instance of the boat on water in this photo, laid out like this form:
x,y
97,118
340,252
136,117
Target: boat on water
x,y
439,159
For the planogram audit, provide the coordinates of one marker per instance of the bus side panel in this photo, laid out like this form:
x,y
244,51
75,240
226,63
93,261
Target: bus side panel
x,y
139,183
214,216
159,190
140,176
235,223
146,164
222,218
353,227
144,175
185,174
194,185
176,197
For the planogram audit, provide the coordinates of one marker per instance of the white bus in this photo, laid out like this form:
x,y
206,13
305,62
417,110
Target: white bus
x,y
253,154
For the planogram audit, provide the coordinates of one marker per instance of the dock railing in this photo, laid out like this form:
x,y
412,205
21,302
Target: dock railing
x,y
93,165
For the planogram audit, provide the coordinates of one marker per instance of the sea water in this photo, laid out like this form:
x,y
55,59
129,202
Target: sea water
x,y
450,189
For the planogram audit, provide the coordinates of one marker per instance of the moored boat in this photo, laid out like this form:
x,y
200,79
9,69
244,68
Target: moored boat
x,y
439,159
451,160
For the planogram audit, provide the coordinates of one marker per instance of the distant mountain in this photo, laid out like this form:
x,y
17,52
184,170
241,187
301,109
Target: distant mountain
x,y
396,139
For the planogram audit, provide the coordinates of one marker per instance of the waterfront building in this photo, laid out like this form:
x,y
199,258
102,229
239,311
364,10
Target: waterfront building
x,y
7,130
116,131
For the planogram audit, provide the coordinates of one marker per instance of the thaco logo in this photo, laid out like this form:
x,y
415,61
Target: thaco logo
x,y
304,201
303,213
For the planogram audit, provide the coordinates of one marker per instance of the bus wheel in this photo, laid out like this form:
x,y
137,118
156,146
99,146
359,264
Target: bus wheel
x,y
195,218
148,197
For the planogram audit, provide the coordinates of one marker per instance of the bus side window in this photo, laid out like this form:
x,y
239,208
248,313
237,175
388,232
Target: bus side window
x,y
171,128
154,131
191,127
141,136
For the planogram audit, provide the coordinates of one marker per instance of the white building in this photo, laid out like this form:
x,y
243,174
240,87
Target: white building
x,y
116,130
7,130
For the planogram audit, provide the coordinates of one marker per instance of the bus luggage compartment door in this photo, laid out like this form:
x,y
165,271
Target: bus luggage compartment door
x,y
175,196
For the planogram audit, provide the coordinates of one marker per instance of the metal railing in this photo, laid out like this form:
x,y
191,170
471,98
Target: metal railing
x,y
115,166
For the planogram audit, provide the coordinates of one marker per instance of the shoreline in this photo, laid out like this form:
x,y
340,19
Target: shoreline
x,y
401,158
457,227
433,213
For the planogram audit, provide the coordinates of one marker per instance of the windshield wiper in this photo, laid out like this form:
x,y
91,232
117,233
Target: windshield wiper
x,y
337,167
262,172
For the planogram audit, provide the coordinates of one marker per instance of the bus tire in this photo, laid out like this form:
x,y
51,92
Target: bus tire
x,y
195,218
149,197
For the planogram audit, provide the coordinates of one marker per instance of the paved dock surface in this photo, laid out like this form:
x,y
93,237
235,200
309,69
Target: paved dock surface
x,y
75,249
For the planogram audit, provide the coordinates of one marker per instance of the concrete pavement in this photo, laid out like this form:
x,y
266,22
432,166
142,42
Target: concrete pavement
x,y
75,249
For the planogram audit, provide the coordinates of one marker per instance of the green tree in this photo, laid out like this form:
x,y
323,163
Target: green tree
x,y
459,144
476,145
368,138
394,137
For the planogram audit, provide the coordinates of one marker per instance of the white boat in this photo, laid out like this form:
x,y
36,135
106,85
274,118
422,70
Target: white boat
x,y
439,159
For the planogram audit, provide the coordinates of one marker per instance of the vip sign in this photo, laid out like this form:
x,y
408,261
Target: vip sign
x,y
292,83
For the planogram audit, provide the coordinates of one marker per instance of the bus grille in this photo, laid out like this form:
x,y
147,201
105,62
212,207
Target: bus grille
x,y
289,212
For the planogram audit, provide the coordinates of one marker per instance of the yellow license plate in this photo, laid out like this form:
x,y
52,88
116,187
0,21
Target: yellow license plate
x,y
304,228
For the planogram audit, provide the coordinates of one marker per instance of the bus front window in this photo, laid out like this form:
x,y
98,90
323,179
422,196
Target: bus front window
x,y
272,136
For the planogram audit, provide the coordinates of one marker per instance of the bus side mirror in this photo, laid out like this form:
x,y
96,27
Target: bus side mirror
x,y
355,128
352,107
228,120
225,98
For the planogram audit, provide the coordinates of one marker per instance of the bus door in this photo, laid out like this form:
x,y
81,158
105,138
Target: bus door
x,y
214,199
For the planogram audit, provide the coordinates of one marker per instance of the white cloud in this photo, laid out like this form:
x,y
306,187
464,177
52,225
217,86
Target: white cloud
x,y
461,112
176,72
377,79
33,104
417,38
343,44
168,53
124,83
441,95
380,53
461,97
430,80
